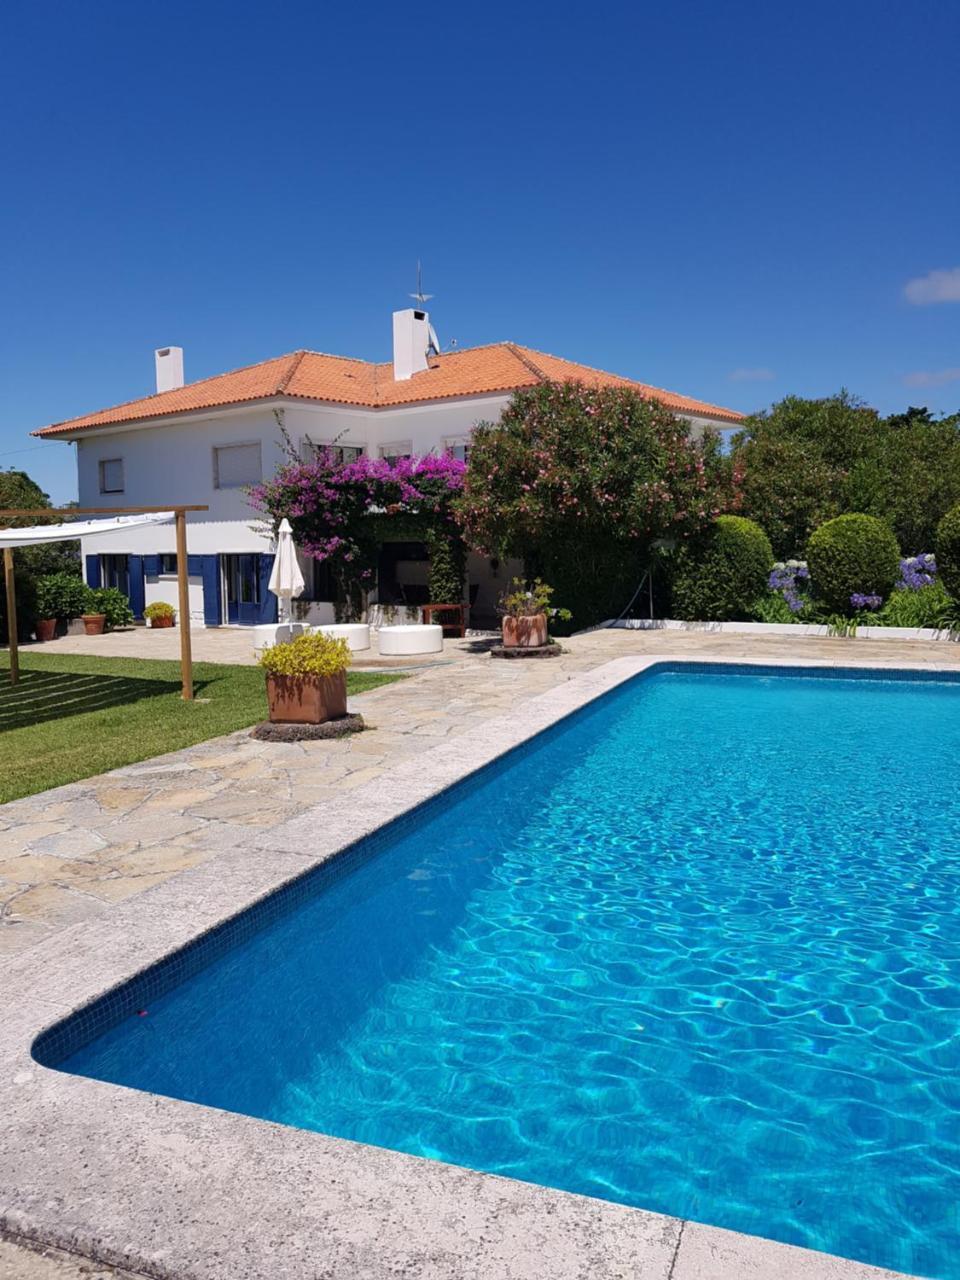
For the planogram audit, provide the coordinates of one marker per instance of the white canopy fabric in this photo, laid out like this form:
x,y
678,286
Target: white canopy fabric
x,y
36,535
286,580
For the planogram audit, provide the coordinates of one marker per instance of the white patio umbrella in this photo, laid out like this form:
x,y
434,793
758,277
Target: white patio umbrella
x,y
286,580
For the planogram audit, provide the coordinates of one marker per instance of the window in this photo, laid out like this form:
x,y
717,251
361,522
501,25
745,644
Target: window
x,y
459,449
394,452
111,475
235,465
168,566
115,572
340,452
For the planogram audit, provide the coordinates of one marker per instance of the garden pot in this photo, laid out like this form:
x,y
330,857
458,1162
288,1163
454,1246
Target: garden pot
x,y
46,628
166,621
93,623
525,633
306,699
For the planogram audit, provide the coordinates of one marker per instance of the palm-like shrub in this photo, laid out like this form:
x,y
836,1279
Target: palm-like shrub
x,y
948,551
852,555
720,575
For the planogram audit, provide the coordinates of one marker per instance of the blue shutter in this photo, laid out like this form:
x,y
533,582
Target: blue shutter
x,y
268,601
210,569
195,566
151,566
93,571
135,579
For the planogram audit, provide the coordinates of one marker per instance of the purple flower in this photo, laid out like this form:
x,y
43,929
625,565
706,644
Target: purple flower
x,y
917,571
861,601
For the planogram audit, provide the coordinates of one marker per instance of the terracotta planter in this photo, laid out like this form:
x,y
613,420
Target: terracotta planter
x,y
163,621
525,633
46,628
306,699
93,623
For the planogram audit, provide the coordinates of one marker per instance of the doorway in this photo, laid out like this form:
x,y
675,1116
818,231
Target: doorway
x,y
243,589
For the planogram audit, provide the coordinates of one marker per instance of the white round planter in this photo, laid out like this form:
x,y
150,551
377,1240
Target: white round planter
x,y
395,642
271,633
356,634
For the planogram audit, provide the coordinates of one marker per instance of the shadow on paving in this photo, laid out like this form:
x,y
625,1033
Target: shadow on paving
x,y
54,695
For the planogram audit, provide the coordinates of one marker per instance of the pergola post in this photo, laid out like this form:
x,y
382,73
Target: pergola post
x,y
183,591
11,614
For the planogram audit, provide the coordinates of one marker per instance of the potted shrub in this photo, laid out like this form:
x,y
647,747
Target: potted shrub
x,y
60,596
160,614
525,611
107,609
307,679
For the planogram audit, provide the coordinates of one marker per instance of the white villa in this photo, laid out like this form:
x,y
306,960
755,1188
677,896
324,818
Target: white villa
x,y
204,442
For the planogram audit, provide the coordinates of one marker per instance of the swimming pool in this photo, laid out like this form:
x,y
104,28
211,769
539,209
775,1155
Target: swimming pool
x,y
696,950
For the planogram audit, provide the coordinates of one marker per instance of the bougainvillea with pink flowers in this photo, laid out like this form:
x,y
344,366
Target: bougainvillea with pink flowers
x,y
336,507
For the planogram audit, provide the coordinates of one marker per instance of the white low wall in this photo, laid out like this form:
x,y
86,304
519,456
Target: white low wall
x,y
772,629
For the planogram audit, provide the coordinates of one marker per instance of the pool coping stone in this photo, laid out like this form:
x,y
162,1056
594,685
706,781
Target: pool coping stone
x,y
181,1191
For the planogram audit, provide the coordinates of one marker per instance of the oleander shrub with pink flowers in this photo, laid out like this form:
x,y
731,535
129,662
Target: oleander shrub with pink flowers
x,y
578,481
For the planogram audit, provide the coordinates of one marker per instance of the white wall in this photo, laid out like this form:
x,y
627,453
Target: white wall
x,y
172,462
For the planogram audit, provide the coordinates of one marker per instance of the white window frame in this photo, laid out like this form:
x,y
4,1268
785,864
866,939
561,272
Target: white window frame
x,y
397,449
236,444
457,442
309,448
106,462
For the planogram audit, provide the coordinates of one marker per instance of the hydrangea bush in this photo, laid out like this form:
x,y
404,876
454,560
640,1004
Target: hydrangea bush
x,y
790,579
917,571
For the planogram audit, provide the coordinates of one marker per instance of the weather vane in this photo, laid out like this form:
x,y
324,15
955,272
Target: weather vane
x,y
420,296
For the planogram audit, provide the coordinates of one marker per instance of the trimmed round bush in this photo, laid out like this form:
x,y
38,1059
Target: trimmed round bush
x,y
720,575
948,551
852,555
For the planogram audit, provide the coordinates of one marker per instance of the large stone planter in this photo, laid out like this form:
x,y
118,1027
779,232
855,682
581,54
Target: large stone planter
x,y
525,633
306,699
46,628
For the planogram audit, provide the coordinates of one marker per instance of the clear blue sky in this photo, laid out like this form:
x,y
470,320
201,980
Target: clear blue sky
x,y
726,199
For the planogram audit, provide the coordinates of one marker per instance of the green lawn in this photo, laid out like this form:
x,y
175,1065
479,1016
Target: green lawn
x,y
73,717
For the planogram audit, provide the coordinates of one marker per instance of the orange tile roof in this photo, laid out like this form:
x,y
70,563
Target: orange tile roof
x,y
310,375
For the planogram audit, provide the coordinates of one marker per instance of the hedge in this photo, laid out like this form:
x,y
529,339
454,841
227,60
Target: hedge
x,y
948,551
720,575
852,554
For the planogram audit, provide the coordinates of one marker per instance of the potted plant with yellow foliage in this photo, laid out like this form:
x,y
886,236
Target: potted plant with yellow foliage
x,y
306,679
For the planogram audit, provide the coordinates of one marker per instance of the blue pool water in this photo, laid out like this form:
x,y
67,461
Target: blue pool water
x,y
697,951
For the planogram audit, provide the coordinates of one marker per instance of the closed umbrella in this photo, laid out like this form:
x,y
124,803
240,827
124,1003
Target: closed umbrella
x,y
286,580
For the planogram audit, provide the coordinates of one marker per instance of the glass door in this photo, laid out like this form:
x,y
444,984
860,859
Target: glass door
x,y
243,589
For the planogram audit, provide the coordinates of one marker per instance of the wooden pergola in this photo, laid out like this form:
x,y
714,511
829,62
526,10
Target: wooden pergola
x,y
63,513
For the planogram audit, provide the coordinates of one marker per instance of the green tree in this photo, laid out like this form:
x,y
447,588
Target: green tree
x,y
792,464
17,490
579,481
912,478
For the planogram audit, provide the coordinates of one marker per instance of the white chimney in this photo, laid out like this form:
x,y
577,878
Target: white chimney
x,y
413,342
169,368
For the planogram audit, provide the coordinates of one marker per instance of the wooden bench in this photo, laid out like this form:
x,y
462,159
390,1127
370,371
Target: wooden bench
x,y
454,628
